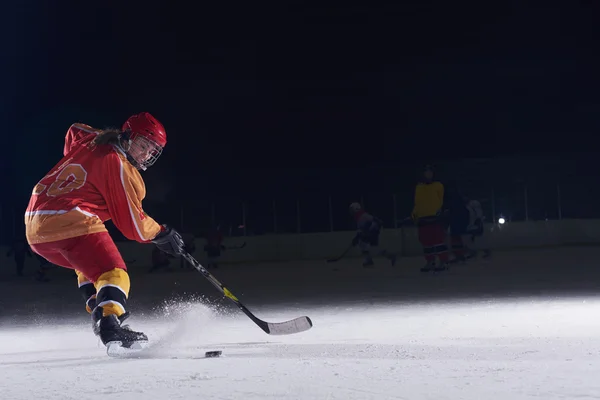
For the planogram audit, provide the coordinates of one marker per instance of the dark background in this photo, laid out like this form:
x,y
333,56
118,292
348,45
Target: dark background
x,y
306,100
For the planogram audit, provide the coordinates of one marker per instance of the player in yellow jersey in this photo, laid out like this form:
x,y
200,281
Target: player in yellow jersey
x,y
427,215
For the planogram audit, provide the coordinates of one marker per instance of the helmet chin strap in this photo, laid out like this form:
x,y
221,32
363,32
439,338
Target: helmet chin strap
x,y
135,163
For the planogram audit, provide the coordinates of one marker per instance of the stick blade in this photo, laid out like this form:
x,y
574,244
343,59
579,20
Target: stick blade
x,y
290,327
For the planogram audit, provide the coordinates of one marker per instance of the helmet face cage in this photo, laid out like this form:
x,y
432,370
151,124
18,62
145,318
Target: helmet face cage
x,y
143,151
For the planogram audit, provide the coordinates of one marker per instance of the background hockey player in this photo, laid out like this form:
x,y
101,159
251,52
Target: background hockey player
x,y
477,239
466,227
458,219
97,180
44,266
19,250
367,235
214,246
427,215
160,260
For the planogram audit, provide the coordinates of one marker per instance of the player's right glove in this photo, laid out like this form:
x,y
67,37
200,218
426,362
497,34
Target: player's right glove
x,y
169,241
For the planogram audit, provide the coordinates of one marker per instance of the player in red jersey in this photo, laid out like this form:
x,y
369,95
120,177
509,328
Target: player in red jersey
x,y
98,180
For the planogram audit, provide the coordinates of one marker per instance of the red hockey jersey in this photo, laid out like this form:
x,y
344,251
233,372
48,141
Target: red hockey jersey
x,y
90,185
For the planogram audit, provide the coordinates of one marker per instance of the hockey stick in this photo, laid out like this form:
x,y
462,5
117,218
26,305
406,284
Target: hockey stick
x,y
341,255
290,327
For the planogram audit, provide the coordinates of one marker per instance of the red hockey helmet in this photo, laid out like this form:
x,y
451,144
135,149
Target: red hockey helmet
x,y
146,138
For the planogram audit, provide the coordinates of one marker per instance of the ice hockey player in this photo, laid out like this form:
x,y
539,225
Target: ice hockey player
x,y
367,235
19,250
457,216
98,180
214,246
475,228
427,215
466,227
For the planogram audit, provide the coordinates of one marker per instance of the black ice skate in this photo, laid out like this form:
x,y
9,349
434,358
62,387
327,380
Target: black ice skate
x,y
122,319
392,258
389,256
442,267
428,267
110,330
97,314
368,263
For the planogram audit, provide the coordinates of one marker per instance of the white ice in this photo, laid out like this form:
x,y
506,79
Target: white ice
x,y
486,350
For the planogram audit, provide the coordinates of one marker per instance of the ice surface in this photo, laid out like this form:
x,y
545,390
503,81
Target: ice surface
x,y
488,350
541,346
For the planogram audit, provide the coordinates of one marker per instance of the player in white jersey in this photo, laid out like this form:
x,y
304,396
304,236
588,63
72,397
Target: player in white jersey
x,y
367,235
475,228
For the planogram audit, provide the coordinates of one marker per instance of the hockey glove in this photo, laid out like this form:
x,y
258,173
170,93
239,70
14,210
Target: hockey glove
x,y
170,242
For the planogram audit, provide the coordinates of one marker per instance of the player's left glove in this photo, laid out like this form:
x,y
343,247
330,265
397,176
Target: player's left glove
x,y
170,241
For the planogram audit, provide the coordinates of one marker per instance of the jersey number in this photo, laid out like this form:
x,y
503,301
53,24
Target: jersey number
x,y
71,177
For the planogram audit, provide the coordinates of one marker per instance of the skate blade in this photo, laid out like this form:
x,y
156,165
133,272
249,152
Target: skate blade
x,y
116,349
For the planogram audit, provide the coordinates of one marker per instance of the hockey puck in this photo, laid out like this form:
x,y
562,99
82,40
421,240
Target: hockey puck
x,y
216,353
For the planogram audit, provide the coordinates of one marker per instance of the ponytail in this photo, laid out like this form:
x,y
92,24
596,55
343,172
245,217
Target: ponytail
x,y
108,136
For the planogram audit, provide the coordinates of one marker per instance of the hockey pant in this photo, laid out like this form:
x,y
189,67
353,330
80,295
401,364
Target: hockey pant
x,y
433,239
101,272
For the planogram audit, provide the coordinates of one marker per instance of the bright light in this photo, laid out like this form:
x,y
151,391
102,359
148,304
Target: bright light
x,y
501,220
